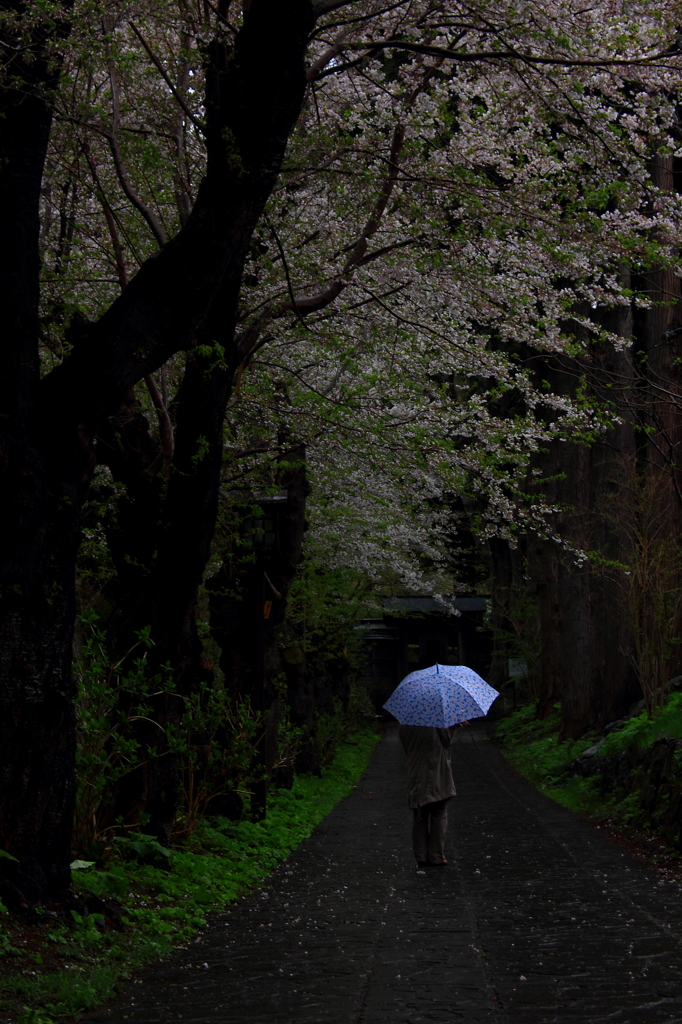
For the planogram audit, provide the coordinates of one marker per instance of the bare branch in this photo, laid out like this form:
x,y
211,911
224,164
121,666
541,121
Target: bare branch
x,y
333,51
110,219
166,434
200,127
284,264
509,54
303,305
372,225
140,206
183,198
378,253
368,16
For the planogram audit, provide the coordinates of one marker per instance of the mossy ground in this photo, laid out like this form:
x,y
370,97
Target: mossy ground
x,y
532,746
64,967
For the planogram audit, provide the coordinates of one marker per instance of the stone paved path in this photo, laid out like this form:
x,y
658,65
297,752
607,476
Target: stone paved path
x,y
537,920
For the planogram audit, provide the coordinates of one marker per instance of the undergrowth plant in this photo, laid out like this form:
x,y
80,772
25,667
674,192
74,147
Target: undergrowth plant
x,y
326,604
72,966
216,745
110,700
641,731
533,747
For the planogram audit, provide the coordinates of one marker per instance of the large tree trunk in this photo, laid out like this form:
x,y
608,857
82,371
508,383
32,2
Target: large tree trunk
x,y
38,529
187,514
512,615
168,594
237,597
135,459
585,632
254,96
232,588
656,514
660,341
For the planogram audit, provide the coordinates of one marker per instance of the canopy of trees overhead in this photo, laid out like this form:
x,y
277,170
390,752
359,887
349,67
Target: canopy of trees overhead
x,y
389,257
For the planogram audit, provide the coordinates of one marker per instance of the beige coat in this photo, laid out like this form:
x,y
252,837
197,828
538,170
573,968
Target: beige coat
x,y
429,776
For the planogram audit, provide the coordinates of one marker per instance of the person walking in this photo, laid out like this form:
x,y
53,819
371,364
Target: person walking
x,y
429,788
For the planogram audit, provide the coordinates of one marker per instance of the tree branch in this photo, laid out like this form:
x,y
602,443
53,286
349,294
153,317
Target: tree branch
x,y
304,305
508,54
257,91
147,213
200,127
333,51
166,433
110,219
183,197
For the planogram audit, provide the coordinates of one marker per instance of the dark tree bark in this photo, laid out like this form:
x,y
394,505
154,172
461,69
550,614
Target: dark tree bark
x,y
587,619
507,586
585,638
126,445
659,331
254,96
39,519
167,596
236,590
231,589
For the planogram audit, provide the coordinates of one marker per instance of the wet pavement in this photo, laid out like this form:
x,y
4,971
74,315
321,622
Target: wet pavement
x,y
538,919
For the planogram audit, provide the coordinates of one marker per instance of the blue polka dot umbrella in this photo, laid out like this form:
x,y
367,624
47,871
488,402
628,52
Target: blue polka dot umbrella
x,y
441,696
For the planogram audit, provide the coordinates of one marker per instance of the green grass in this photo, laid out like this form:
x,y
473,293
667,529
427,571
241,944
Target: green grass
x,y
533,748
69,968
641,732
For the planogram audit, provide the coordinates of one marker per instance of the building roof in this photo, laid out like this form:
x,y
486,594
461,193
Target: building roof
x,y
430,604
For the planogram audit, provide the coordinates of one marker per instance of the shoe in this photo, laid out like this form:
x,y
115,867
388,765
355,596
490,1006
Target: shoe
x,y
438,864
422,863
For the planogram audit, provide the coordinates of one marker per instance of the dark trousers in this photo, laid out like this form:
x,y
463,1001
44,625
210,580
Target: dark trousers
x,y
429,825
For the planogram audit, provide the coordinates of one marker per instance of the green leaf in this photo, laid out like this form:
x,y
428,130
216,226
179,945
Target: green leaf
x,y
144,849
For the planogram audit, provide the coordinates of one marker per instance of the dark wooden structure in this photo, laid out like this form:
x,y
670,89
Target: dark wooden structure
x,y
415,632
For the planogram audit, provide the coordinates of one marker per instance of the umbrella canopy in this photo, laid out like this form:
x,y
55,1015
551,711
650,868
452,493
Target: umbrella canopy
x,y
441,696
